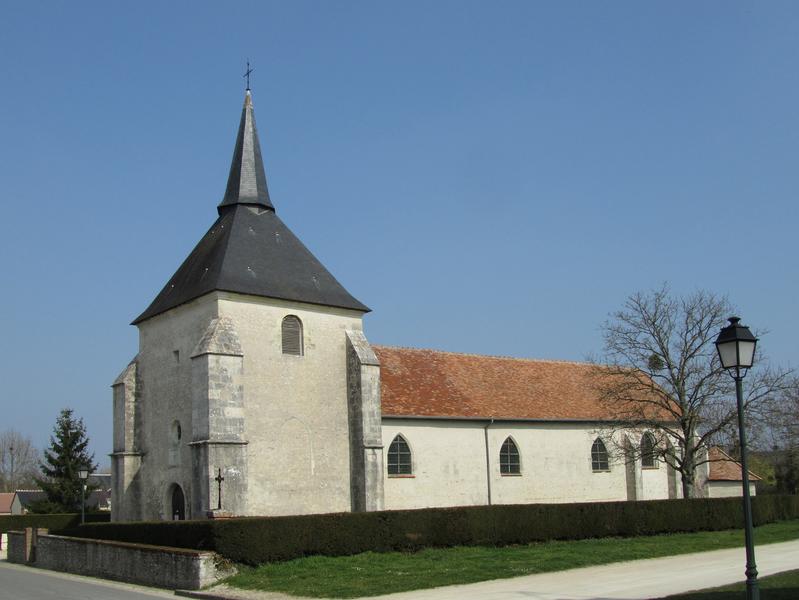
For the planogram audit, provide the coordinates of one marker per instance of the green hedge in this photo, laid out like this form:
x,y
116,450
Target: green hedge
x,y
55,523
254,540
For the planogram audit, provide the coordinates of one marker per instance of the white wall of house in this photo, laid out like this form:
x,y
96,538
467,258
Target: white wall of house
x,y
449,465
727,489
16,506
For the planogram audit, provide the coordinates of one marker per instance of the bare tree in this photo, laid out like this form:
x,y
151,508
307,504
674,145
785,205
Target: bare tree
x,y
19,461
782,418
781,423
660,373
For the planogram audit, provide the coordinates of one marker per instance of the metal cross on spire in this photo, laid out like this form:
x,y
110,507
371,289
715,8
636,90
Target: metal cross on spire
x,y
247,74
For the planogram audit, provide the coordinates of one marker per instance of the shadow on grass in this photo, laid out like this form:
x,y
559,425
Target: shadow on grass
x,y
786,593
782,586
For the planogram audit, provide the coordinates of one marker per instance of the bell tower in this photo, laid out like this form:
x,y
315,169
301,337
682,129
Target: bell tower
x,y
252,368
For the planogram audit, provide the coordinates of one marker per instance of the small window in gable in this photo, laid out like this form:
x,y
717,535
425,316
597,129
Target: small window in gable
x,y
399,457
599,456
648,460
509,461
292,335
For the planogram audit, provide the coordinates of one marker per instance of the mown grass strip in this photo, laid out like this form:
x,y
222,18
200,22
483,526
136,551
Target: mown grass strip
x,y
783,586
372,573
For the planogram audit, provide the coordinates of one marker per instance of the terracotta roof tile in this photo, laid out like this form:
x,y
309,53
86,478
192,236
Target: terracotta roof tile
x,y
724,468
6,498
430,383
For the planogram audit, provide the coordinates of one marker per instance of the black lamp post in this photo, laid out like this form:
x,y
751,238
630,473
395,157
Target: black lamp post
x,y
83,474
736,348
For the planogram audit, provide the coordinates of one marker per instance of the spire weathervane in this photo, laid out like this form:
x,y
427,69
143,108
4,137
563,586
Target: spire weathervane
x,y
247,74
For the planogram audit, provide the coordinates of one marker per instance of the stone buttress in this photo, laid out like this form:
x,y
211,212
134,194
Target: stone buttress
x,y
126,457
366,437
218,421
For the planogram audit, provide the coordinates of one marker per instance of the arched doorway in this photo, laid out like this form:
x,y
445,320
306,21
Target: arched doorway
x,y
178,504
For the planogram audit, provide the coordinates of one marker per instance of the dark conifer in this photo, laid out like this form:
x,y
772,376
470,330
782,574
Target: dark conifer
x,y
67,454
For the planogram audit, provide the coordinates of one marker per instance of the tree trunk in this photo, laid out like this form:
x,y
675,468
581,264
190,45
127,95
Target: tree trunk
x,y
688,490
688,473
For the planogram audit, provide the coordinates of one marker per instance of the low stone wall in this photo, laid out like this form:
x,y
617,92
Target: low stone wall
x,y
159,566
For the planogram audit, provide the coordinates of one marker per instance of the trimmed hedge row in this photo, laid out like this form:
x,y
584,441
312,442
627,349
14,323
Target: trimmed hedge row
x,y
52,522
254,540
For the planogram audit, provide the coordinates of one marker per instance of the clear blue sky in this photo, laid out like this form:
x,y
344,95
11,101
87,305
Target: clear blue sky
x,y
490,177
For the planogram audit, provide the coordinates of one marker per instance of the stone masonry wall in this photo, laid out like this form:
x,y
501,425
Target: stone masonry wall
x,y
171,568
295,407
366,444
164,392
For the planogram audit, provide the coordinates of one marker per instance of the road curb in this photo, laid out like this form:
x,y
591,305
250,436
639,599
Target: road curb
x,y
203,595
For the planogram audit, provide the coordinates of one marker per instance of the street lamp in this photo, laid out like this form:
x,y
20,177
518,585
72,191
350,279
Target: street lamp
x,y
83,474
736,348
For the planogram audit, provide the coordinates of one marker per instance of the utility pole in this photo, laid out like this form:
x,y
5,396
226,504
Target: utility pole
x,y
11,483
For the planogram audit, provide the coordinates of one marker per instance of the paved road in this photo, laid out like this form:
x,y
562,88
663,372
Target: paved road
x,y
26,583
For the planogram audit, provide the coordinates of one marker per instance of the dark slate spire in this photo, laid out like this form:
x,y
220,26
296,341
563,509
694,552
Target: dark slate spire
x,y
249,250
246,183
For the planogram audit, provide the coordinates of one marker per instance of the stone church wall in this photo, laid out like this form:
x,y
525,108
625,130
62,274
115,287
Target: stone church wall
x,y
296,414
655,481
166,343
449,465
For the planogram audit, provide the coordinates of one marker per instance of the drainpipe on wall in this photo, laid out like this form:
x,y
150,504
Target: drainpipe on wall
x,y
488,460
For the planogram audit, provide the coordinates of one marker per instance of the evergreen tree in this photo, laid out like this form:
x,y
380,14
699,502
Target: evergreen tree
x,y
67,454
787,472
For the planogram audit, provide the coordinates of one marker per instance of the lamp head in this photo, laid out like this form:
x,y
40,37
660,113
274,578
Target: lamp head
x,y
736,345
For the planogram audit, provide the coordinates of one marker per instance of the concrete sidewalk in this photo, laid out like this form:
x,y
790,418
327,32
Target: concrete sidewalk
x,y
639,579
633,580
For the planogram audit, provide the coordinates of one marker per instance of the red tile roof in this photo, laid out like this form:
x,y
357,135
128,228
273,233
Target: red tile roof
x,y
6,498
725,468
430,383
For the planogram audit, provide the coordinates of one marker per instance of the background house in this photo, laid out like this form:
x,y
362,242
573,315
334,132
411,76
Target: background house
x,y
723,475
6,498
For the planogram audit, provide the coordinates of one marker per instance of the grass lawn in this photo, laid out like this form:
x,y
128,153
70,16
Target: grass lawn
x,y
783,586
374,573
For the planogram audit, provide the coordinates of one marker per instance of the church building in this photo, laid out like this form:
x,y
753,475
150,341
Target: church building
x,y
256,392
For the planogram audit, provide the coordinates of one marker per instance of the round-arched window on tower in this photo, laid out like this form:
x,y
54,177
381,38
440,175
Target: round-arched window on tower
x,y
291,333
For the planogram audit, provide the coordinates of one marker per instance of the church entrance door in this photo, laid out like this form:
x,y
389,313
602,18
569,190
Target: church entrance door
x,y
178,504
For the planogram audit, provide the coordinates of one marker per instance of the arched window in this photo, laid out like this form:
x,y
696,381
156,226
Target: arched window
x,y
292,335
399,457
648,451
175,434
599,456
509,462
